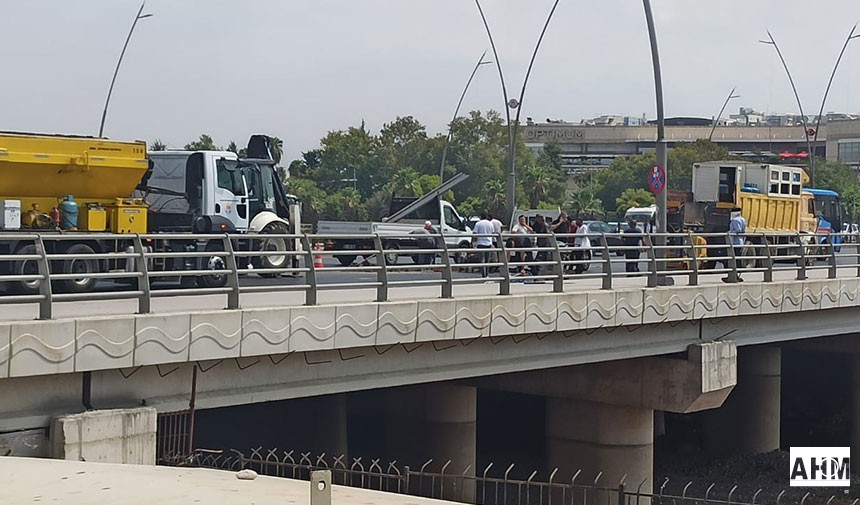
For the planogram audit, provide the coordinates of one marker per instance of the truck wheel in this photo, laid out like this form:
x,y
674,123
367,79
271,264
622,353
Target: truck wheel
x,y
346,260
274,244
80,264
391,256
213,263
26,267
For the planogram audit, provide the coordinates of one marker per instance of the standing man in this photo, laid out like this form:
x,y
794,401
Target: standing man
x,y
582,246
521,228
497,229
737,230
632,255
484,240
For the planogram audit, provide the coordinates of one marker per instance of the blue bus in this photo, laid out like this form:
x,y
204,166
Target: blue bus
x,y
828,212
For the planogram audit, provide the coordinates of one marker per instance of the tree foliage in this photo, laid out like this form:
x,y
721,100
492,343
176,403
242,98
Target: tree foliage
x,y
633,197
204,143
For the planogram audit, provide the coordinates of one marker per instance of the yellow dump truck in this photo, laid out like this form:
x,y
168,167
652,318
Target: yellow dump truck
x,y
772,198
94,191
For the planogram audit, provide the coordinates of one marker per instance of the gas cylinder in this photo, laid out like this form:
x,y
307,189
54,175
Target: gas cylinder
x,y
55,217
69,212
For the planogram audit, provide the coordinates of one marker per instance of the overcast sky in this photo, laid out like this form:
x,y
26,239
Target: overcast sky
x,y
299,68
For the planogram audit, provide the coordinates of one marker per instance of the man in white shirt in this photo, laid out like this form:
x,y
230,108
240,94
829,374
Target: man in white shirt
x,y
484,240
497,229
582,244
522,228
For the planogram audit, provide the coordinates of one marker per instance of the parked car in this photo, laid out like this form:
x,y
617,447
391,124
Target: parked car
x,y
601,227
850,231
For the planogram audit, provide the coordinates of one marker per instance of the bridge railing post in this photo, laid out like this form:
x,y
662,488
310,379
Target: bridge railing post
x,y
233,275
768,260
310,271
144,301
607,263
447,272
381,271
833,271
694,260
558,280
504,257
46,304
652,263
801,258
733,259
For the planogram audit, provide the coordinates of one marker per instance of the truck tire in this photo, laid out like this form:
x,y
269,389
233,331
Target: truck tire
x,y
26,267
274,244
391,256
213,263
80,264
346,260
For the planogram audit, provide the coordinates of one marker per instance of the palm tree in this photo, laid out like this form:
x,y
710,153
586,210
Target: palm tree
x,y
157,145
495,194
584,202
232,147
536,179
276,146
406,182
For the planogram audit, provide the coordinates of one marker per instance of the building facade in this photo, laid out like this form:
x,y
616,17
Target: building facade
x,y
843,142
585,148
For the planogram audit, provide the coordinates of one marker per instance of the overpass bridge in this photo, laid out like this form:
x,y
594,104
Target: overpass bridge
x,y
607,349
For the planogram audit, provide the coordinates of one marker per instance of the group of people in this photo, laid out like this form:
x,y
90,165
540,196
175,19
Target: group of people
x,y
575,236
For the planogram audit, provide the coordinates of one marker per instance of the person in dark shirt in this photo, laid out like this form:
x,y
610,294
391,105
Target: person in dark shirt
x,y
540,227
632,255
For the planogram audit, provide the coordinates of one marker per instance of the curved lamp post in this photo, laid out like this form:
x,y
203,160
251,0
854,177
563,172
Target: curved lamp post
x,y
851,36
140,15
723,109
513,103
773,43
481,61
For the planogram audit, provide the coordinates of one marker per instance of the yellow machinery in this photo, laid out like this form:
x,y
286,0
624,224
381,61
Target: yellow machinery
x,y
40,170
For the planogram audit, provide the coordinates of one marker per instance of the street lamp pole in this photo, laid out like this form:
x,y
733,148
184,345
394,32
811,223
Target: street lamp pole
x,y
514,103
723,109
661,137
137,18
851,36
457,111
773,43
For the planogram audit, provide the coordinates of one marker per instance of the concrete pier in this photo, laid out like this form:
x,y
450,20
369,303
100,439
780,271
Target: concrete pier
x,y
748,421
596,437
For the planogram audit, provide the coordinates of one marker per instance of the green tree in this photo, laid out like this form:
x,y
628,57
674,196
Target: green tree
x,y
633,197
834,175
495,197
537,182
584,202
850,200
232,147
204,143
157,145
276,147
405,182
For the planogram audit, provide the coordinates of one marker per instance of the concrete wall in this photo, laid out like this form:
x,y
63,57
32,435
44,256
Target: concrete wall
x,y
106,436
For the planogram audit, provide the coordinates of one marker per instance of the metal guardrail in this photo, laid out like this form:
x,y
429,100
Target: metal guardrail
x,y
78,267
497,485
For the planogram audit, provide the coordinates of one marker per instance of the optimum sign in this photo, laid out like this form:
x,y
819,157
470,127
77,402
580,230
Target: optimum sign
x,y
820,467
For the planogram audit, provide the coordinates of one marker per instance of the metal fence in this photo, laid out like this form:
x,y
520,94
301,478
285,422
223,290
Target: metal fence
x,y
78,267
494,485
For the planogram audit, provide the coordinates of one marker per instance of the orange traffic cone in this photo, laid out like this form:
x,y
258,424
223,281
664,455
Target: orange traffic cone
x,y
318,260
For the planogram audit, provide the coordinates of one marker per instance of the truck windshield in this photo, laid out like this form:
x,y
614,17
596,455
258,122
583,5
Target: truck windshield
x,y
261,185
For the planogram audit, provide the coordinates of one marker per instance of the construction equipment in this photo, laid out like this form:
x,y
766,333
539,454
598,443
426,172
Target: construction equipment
x,y
86,186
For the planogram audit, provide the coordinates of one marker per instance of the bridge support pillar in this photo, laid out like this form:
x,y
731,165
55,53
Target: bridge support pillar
x,y
855,409
597,437
748,421
435,421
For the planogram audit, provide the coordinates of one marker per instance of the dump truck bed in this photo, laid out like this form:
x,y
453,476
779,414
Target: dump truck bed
x,y
39,168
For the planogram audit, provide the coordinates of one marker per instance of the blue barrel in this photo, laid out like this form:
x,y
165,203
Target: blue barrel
x,y
69,213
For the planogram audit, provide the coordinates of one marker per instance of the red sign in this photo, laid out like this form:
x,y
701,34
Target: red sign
x,y
657,179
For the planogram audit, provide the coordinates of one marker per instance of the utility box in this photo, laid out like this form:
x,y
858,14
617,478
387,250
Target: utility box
x,y
321,487
127,217
93,218
10,214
